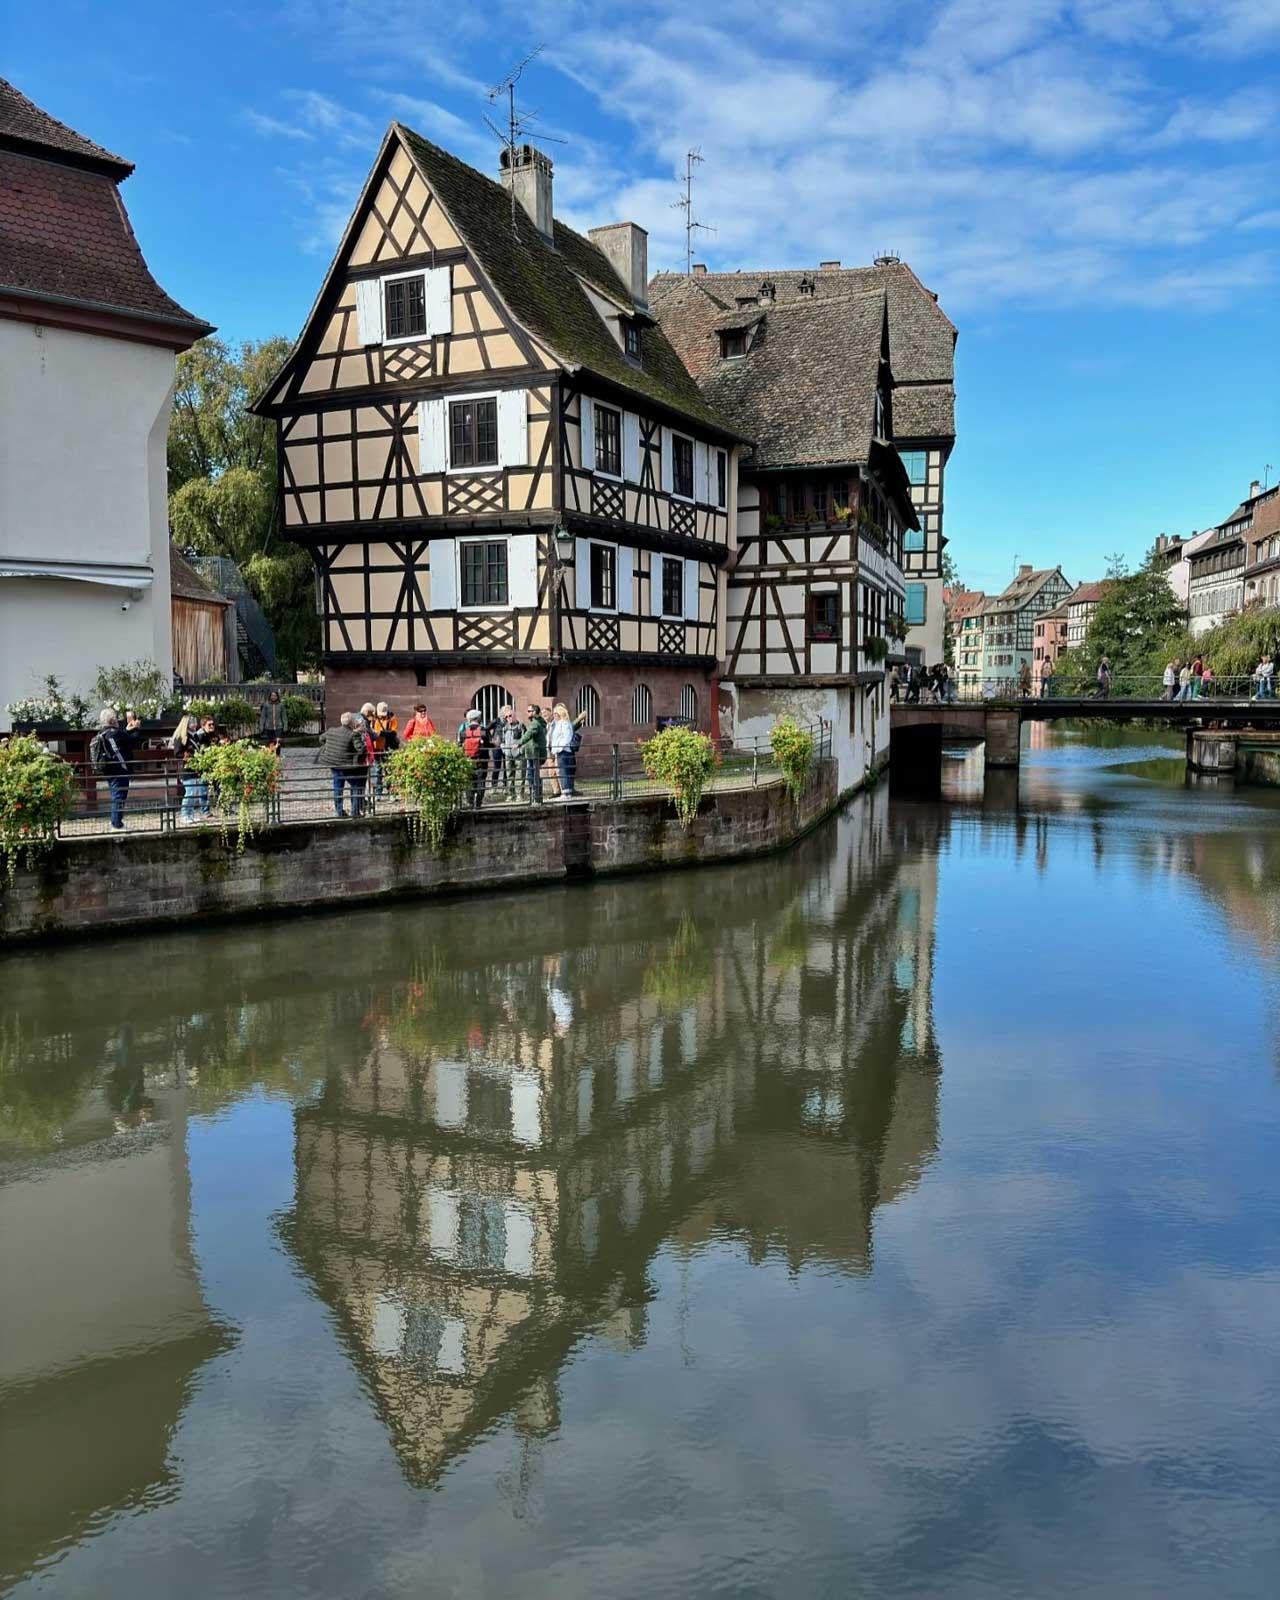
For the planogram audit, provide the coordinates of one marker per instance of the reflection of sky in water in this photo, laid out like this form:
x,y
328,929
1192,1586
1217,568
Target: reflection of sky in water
x,y
1046,1366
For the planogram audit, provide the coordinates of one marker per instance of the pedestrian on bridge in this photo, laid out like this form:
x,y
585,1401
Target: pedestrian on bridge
x,y
1184,682
1170,681
1103,690
1197,674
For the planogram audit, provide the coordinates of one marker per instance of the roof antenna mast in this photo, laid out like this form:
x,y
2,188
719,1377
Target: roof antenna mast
x,y
685,204
517,121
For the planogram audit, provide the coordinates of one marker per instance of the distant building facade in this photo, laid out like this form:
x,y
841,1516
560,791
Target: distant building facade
x,y
964,619
88,343
1049,640
1008,622
1262,566
1081,606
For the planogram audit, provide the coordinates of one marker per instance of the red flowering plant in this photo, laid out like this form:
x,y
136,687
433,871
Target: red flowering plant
x,y
37,790
242,775
430,778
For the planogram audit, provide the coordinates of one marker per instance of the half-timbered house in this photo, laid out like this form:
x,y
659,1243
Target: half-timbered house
x,y
922,340
511,486
817,589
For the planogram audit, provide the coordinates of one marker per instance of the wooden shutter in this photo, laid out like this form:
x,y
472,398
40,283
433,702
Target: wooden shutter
x,y
442,555
582,569
587,435
702,473
522,569
631,447
513,428
668,477
439,299
692,573
625,560
369,309
432,453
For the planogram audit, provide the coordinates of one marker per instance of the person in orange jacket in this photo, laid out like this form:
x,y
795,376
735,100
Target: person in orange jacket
x,y
419,725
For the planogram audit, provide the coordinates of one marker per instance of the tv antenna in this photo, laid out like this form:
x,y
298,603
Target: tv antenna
x,y
685,204
518,122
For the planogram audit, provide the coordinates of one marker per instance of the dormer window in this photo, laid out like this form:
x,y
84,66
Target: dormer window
x,y
808,287
733,343
631,340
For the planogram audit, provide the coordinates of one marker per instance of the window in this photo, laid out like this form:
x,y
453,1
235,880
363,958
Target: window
x,y
490,700
913,539
733,343
915,604
604,577
473,433
631,340
641,706
406,307
484,573
722,478
917,464
608,440
682,466
824,616
672,586
689,703
588,704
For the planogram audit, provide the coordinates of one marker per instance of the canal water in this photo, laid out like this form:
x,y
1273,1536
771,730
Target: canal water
x,y
895,1217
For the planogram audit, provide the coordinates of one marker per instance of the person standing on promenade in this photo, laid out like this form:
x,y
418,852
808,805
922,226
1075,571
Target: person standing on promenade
x,y
112,751
419,725
533,751
342,750
273,721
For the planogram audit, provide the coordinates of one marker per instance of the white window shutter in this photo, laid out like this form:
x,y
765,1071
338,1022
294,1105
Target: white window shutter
x,y
431,436
692,573
582,570
441,553
369,309
522,569
668,477
631,447
701,473
587,434
625,562
513,428
439,298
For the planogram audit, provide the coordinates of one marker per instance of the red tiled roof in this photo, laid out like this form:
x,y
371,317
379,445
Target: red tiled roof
x,y
966,603
1090,593
64,232
23,125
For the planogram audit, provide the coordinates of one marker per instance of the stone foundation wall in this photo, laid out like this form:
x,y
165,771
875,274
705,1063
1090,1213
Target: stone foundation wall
x,y
106,885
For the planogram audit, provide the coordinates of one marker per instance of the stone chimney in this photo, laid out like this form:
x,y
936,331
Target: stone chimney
x,y
527,172
1025,568
627,247
699,269
1255,488
825,266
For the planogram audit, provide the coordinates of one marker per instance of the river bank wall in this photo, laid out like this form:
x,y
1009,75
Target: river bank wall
x,y
104,885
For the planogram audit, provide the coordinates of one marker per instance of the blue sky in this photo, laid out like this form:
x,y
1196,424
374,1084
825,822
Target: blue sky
x,y
1090,185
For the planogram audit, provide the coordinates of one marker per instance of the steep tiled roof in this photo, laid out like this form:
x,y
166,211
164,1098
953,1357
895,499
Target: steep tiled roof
x,y
64,232
1058,614
1023,588
967,603
185,583
924,411
540,286
24,126
805,390
1091,593
921,336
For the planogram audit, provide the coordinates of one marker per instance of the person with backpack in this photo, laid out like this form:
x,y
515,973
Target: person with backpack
x,y
564,740
533,752
190,737
476,745
419,725
112,751
384,729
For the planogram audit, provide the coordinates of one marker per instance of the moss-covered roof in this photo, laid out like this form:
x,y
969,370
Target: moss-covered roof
x,y
539,282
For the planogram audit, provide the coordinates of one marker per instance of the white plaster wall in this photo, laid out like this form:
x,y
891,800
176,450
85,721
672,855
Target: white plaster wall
x,y
83,426
929,636
859,732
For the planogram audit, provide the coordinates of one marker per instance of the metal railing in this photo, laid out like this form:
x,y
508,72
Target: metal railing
x,y
1143,690
310,792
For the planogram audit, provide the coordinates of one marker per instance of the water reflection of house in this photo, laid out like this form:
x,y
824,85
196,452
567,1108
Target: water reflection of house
x,y
492,1179
103,1323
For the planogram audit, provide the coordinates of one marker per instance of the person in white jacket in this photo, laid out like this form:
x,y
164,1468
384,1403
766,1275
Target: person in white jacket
x,y
562,743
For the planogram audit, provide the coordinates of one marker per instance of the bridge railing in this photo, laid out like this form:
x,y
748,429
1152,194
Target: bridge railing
x,y
1144,689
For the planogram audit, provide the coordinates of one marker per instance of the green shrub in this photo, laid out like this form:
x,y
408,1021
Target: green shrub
x,y
683,760
137,686
236,714
429,777
37,790
299,712
793,750
245,774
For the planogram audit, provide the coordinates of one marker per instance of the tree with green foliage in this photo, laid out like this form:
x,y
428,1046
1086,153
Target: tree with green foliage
x,y
222,486
1137,621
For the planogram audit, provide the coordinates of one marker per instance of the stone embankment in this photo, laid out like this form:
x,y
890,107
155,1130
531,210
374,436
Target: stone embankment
x,y
109,885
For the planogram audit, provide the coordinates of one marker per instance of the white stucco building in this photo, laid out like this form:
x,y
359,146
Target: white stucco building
x,y
88,342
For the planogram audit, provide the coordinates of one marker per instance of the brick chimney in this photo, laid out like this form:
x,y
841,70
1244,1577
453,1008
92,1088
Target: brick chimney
x,y
699,269
1255,488
824,266
627,247
528,172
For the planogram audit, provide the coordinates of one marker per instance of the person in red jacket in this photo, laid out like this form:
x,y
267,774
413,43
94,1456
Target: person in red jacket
x,y
419,725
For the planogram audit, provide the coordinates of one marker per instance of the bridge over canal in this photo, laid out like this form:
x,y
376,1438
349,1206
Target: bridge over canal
x,y
919,731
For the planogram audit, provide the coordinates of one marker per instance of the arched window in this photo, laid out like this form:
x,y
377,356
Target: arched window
x,y
588,701
490,700
641,706
689,702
